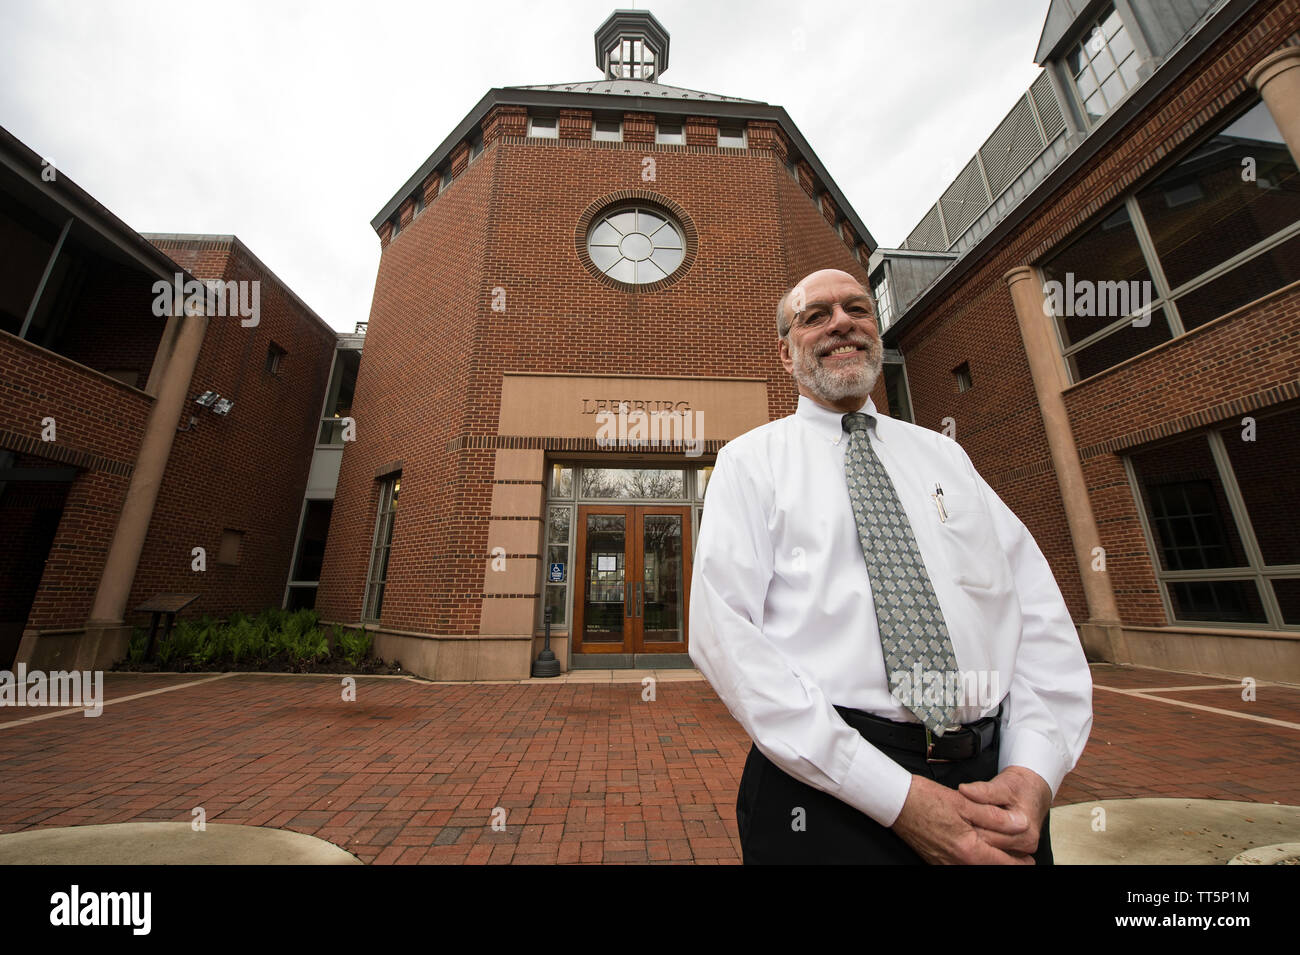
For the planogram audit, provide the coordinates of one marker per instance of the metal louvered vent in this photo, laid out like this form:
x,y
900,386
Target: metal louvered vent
x,y
1012,147
1049,110
964,200
928,234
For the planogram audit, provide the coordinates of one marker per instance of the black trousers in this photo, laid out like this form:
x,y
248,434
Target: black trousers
x,y
831,832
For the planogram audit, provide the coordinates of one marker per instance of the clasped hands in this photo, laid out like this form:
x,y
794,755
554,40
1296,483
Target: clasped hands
x,y
983,823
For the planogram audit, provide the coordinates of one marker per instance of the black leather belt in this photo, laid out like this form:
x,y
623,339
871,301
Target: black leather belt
x,y
971,740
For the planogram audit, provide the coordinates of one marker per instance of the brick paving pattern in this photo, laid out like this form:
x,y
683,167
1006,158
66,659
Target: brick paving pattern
x,y
582,772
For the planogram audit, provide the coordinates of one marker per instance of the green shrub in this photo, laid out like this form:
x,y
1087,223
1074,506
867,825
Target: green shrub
x,y
245,640
138,645
352,645
308,645
187,637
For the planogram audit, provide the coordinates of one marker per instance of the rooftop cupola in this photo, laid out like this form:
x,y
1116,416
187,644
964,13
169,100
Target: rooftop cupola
x,y
632,45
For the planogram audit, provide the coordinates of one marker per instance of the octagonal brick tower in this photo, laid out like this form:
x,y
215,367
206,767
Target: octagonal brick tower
x,y
574,310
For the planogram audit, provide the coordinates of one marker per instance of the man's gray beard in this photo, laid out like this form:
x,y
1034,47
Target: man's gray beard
x,y
835,386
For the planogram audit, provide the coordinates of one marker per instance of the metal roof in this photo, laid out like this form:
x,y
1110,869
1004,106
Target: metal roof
x,y
636,88
1059,24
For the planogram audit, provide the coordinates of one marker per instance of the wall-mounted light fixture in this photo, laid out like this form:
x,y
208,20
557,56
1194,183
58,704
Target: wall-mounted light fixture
x,y
213,402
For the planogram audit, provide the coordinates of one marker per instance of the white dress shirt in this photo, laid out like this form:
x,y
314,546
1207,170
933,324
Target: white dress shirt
x,y
783,624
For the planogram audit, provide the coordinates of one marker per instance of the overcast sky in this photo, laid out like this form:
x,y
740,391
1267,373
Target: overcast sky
x,y
290,124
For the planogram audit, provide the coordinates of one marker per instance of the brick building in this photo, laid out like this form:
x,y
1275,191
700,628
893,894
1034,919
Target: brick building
x,y
131,433
1110,288
569,252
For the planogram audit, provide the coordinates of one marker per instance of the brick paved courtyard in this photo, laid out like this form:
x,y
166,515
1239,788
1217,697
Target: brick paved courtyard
x,y
584,771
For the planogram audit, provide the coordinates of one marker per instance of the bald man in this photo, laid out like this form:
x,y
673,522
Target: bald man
x,y
880,623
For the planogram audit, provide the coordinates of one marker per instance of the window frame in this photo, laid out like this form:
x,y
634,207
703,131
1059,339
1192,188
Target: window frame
x,y
744,138
670,139
275,355
553,128
1256,570
672,222
884,301
1139,51
1165,298
963,378
598,137
389,485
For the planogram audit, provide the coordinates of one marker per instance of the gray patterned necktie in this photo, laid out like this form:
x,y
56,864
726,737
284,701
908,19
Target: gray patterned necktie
x,y
912,628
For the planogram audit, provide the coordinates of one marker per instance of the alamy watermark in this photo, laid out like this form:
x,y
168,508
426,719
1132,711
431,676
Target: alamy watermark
x,y
920,687
212,297
1088,299
56,688
77,907
635,427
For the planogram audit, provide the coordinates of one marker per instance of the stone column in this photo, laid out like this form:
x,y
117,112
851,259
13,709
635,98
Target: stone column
x,y
106,634
1277,77
1102,636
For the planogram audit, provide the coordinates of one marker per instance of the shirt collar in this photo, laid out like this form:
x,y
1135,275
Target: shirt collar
x,y
830,424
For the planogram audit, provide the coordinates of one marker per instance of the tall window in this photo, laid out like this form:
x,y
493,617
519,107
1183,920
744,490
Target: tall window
x,y
1217,511
304,576
559,522
884,304
338,399
1103,65
1217,230
377,576
900,403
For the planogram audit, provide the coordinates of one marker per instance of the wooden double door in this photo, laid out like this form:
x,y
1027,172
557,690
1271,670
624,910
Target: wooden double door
x,y
631,591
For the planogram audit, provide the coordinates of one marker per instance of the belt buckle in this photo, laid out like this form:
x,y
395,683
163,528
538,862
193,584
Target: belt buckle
x,y
929,743
929,749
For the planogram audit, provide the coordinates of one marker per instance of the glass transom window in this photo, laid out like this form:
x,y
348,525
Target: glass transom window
x,y
636,245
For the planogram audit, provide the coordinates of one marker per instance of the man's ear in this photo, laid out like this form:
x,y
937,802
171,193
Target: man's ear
x,y
787,360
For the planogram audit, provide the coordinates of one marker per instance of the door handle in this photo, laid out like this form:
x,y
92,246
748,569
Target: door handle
x,y
638,598
628,600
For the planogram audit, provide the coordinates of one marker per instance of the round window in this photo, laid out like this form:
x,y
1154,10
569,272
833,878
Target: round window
x,y
636,245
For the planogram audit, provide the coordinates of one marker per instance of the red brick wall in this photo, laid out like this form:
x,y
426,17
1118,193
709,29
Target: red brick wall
x,y
998,422
98,425
246,471
130,340
436,351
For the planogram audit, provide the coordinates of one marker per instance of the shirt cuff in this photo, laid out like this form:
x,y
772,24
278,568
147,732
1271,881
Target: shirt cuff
x,y
1033,751
876,785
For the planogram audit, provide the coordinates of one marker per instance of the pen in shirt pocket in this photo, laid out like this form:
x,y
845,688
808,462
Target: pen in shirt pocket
x,y
938,503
